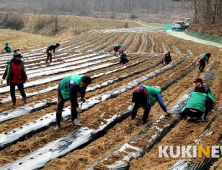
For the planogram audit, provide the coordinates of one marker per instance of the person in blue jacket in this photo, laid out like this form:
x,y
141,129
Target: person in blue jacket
x,y
69,88
49,51
146,96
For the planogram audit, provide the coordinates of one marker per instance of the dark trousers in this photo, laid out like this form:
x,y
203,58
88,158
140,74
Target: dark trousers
x,y
135,110
188,112
20,88
49,56
202,65
123,60
167,61
210,102
140,99
60,105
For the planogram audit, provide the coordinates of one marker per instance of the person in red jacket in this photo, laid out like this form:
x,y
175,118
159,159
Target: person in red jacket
x,y
15,75
166,58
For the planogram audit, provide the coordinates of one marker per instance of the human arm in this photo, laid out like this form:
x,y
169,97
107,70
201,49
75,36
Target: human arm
x,y
160,100
200,58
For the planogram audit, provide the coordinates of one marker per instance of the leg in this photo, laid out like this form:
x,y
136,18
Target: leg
x,y
12,92
60,106
145,115
50,57
47,52
135,110
202,65
21,89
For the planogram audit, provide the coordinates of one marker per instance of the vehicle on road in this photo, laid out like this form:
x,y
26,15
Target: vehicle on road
x,y
178,25
187,22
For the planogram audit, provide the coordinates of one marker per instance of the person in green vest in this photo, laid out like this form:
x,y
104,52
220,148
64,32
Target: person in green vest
x,y
51,51
15,75
117,48
146,96
7,48
202,59
210,96
197,105
69,88
123,57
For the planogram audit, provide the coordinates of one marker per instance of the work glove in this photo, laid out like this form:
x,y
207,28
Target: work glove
x,y
168,113
77,121
196,64
83,100
164,62
79,109
2,80
28,79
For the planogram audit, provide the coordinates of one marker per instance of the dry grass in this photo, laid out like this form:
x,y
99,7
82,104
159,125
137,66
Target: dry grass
x,y
39,30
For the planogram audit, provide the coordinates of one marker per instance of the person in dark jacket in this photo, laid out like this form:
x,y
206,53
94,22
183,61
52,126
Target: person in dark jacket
x,y
146,96
202,59
15,75
7,48
69,88
197,105
166,58
123,57
51,51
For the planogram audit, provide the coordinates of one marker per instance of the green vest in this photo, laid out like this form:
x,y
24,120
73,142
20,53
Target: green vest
x,y
210,94
65,84
8,48
151,94
205,57
117,45
196,101
9,68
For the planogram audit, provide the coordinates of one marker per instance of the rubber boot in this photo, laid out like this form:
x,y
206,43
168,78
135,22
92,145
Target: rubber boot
x,y
58,120
13,101
24,100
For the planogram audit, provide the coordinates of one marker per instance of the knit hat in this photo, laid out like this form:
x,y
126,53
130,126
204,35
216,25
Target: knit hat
x,y
198,80
17,54
6,44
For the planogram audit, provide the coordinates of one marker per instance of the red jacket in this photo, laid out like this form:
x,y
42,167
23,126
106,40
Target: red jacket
x,y
16,74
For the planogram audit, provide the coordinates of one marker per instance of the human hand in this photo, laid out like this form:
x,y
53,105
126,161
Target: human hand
x,y
168,113
83,100
79,109
2,80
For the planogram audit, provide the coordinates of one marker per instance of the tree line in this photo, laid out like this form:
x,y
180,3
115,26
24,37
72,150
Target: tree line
x,y
92,7
205,11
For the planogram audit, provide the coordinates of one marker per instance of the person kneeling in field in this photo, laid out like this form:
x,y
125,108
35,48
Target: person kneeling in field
x,y
197,105
166,58
123,57
69,88
147,96
210,96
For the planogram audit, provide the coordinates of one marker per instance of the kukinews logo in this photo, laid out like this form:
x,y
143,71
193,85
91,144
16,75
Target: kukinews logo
x,y
190,151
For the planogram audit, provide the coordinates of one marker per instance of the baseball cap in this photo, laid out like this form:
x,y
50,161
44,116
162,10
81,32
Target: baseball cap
x,y
198,80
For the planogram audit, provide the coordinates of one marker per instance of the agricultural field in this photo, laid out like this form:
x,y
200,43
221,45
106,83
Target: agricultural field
x,y
107,138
